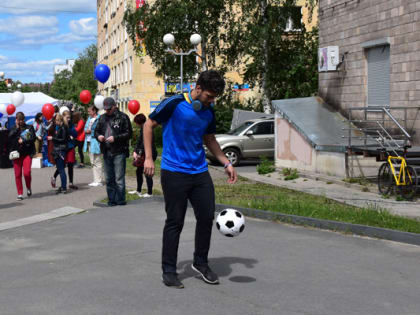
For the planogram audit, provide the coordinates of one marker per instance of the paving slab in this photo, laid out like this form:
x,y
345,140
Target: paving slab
x,y
107,261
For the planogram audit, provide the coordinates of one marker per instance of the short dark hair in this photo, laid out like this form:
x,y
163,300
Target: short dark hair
x,y
140,119
93,108
211,80
20,116
38,117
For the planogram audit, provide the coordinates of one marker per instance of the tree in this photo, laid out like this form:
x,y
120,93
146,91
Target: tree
x,y
3,87
182,18
270,53
248,36
68,85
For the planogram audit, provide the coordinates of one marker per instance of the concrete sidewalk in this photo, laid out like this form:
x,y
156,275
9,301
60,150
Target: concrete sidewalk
x,y
107,261
331,189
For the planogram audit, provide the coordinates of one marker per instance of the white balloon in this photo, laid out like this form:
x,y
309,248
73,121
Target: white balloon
x,y
18,98
99,102
3,108
63,109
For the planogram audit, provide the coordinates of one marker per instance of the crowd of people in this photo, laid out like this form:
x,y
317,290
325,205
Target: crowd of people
x,y
188,122
105,138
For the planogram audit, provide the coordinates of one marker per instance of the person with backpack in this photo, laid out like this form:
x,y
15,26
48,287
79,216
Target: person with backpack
x,y
60,138
188,120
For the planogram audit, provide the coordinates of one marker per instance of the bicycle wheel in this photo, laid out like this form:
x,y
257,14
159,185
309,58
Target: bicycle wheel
x,y
385,179
408,190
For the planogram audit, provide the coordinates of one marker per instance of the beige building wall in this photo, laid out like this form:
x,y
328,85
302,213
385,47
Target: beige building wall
x,y
130,78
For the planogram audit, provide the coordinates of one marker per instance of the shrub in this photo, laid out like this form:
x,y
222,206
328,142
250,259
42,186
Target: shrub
x,y
265,166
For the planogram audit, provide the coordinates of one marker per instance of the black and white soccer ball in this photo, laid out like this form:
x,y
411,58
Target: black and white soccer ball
x,y
230,222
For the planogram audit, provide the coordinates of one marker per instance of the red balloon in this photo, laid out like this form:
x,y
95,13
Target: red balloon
x,y
10,109
133,106
48,111
85,96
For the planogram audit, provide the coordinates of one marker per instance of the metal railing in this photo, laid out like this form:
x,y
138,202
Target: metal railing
x,y
381,126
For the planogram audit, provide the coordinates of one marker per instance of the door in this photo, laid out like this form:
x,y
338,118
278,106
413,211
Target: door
x,y
261,141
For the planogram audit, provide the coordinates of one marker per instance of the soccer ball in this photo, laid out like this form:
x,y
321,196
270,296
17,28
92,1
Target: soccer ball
x,y
230,222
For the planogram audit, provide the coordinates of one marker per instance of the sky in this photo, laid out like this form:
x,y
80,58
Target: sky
x,y
35,35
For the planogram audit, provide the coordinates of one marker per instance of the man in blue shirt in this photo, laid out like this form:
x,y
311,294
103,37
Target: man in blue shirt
x,y
188,120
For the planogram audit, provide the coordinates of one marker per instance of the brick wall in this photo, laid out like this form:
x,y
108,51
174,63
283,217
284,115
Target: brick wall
x,y
350,23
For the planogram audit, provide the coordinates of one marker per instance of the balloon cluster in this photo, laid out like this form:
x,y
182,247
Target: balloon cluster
x,y
16,100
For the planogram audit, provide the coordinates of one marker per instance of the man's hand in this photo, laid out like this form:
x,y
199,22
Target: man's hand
x,y
149,167
135,155
101,138
88,131
49,138
110,139
231,172
20,141
39,138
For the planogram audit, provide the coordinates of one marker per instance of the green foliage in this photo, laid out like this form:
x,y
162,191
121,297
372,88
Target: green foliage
x,y
68,85
290,173
266,166
3,87
282,64
182,18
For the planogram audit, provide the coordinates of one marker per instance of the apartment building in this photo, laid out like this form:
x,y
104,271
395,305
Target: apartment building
x,y
134,79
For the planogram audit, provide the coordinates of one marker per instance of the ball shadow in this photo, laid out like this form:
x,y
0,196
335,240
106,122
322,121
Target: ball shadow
x,y
222,266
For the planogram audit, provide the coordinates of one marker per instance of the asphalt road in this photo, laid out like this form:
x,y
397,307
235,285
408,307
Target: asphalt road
x,y
107,261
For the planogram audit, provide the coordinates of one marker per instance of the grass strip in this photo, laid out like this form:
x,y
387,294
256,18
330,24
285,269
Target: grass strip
x,y
272,198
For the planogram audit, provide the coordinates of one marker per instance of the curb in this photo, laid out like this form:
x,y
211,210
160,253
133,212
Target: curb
x,y
53,214
357,229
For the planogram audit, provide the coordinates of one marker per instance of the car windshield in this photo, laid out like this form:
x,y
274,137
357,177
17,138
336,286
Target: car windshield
x,y
239,129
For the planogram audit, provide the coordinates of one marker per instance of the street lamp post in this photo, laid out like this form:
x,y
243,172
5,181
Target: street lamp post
x,y
169,40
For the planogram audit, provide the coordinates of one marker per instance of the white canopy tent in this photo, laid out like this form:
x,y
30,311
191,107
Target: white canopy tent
x,y
32,105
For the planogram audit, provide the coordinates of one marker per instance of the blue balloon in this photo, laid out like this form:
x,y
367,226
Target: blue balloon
x,y
102,73
1,115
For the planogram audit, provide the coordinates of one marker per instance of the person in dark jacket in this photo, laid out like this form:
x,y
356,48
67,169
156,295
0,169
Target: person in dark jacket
x,y
70,157
22,140
60,139
138,156
114,132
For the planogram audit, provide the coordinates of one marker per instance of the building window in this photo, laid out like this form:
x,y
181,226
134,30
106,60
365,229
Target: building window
x,y
378,75
130,66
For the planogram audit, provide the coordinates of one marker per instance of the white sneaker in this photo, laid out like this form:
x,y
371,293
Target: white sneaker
x,y
133,192
99,184
146,195
139,194
93,184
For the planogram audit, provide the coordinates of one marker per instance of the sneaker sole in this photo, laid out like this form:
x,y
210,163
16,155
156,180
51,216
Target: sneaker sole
x,y
173,286
203,277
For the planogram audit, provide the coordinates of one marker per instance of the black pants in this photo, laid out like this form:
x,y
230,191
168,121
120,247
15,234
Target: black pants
x,y
178,188
79,145
149,181
70,167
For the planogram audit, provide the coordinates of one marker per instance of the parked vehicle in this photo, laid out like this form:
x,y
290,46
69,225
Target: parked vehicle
x,y
253,139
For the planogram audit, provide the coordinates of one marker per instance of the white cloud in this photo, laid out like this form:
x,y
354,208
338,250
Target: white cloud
x,y
47,6
86,27
39,65
2,58
30,26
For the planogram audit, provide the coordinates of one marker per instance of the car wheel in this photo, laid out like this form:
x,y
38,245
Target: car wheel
x,y
232,155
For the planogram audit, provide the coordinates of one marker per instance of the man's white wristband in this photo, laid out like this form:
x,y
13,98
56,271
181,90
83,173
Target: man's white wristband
x,y
227,165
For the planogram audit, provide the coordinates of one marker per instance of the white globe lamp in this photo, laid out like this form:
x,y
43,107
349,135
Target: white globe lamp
x,y
169,39
195,39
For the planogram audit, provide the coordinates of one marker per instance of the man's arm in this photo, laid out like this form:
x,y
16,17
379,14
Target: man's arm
x,y
214,147
149,165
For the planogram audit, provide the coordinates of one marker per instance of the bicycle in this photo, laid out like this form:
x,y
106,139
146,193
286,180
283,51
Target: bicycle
x,y
395,174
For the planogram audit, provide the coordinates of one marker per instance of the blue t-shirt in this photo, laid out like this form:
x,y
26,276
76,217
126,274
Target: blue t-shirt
x,y
183,131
